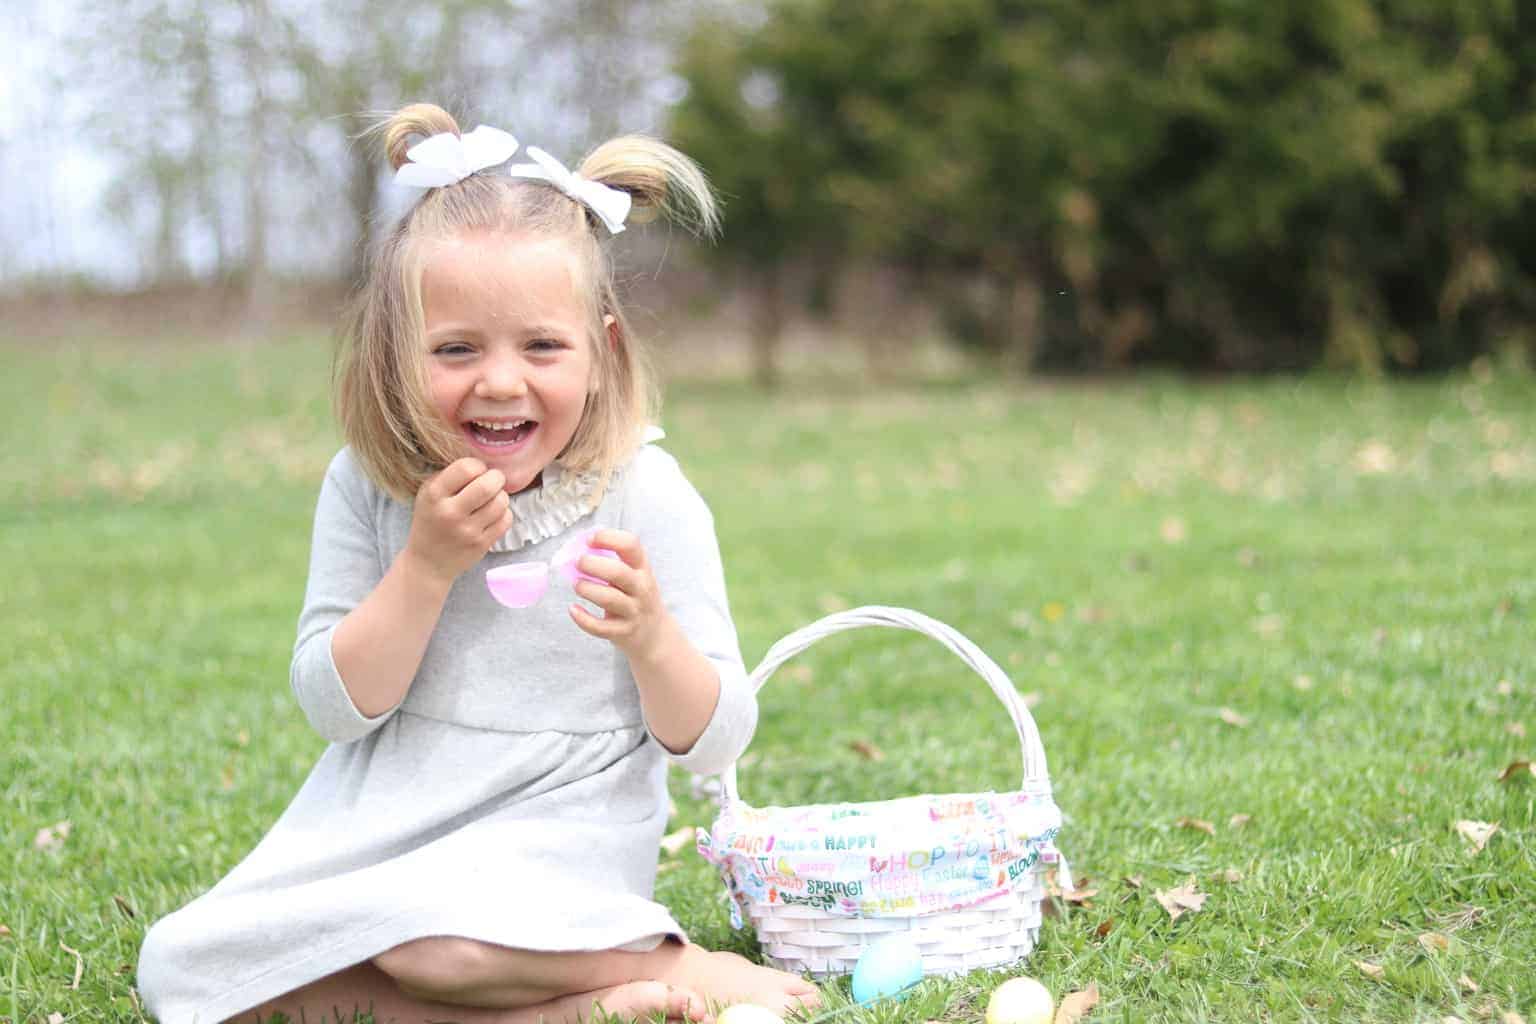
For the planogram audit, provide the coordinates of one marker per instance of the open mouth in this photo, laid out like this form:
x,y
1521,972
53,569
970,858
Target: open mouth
x,y
500,433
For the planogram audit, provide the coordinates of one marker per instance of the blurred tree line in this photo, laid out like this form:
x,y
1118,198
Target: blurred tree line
x,y
236,128
1211,184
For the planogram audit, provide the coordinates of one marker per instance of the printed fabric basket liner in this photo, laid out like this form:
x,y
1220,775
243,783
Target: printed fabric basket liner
x,y
961,875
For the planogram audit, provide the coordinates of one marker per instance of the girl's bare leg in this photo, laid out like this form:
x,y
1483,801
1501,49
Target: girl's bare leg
x,y
363,988
464,971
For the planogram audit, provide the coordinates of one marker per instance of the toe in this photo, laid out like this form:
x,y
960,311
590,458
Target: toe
x,y
686,1005
810,998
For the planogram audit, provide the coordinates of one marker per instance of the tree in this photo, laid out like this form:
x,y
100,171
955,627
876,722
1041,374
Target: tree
x,y
1201,183
732,121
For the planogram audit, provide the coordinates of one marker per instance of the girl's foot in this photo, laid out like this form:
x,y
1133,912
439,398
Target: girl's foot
x,y
726,978
365,988
637,999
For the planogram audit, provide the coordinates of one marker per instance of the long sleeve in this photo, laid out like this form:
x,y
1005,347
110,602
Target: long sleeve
x,y
344,567
676,528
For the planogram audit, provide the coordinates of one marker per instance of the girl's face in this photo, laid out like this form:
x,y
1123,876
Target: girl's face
x,y
509,362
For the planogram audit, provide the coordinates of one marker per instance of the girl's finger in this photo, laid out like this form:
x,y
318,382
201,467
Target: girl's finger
x,y
491,508
622,543
611,601
450,480
478,493
615,573
589,623
498,525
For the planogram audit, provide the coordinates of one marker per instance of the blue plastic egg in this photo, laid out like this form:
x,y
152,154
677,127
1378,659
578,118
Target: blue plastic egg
x,y
889,967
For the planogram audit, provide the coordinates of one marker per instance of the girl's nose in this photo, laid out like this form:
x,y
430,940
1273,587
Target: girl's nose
x,y
502,378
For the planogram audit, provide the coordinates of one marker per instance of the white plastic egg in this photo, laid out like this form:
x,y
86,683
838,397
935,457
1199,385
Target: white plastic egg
x,y
1020,1001
747,1013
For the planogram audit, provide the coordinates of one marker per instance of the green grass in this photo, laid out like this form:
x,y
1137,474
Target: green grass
x,y
1140,555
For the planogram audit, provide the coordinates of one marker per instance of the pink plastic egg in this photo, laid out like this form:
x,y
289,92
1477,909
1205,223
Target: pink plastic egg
x,y
519,585
572,552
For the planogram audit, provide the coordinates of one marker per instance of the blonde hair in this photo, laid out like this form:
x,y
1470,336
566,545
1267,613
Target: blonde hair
x,y
380,373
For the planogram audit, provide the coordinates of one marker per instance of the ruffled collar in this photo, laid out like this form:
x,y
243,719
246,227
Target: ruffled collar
x,y
562,497
542,512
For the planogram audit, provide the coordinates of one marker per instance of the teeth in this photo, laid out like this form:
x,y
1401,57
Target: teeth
x,y
498,424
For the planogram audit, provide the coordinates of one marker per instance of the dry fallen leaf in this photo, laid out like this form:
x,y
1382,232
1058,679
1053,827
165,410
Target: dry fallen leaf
x,y
1468,986
1231,876
1374,457
1134,881
1030,699
1173,530
1076,1005
1197,825
1233,718
1505,688
1239,820
1104,927
1184,898
79,964
55,1018
1515,729
867,750
1371,970
1463,916
1302,683
1518,770
1268,625
5,932
800,673
1477,833
674,842
1434,942
1511,1017
1080,894
52,837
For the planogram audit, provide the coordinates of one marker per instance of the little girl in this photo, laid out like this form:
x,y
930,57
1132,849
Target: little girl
x,y
478,843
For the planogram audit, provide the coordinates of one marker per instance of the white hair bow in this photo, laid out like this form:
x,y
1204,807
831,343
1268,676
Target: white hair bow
x,y
448,157
610,204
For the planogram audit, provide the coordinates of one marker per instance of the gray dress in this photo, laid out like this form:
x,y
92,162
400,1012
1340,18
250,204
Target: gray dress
x,y
516,795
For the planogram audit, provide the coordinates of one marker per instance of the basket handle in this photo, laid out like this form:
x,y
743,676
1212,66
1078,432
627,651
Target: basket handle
x,y
1036,777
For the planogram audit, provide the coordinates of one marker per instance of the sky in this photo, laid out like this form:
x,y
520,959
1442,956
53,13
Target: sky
x,y
52,221
566,89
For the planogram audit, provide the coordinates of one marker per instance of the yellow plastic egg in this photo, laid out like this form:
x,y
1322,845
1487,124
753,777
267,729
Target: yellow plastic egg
x,y
1020,1001
747,1013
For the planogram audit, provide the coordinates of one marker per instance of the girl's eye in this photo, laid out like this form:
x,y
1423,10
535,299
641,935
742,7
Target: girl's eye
x,y
545,344
451,348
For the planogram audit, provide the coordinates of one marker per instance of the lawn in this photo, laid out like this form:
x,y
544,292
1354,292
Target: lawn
x,y
1299,612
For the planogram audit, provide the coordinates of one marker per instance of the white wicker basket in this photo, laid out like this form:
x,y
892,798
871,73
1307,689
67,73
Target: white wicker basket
x,y
960,874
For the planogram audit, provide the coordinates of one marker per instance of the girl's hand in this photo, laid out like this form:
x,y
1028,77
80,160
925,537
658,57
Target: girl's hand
x,y
457,516
634,617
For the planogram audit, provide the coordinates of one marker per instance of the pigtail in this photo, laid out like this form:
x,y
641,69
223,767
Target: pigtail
x,y
411,124
660,181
